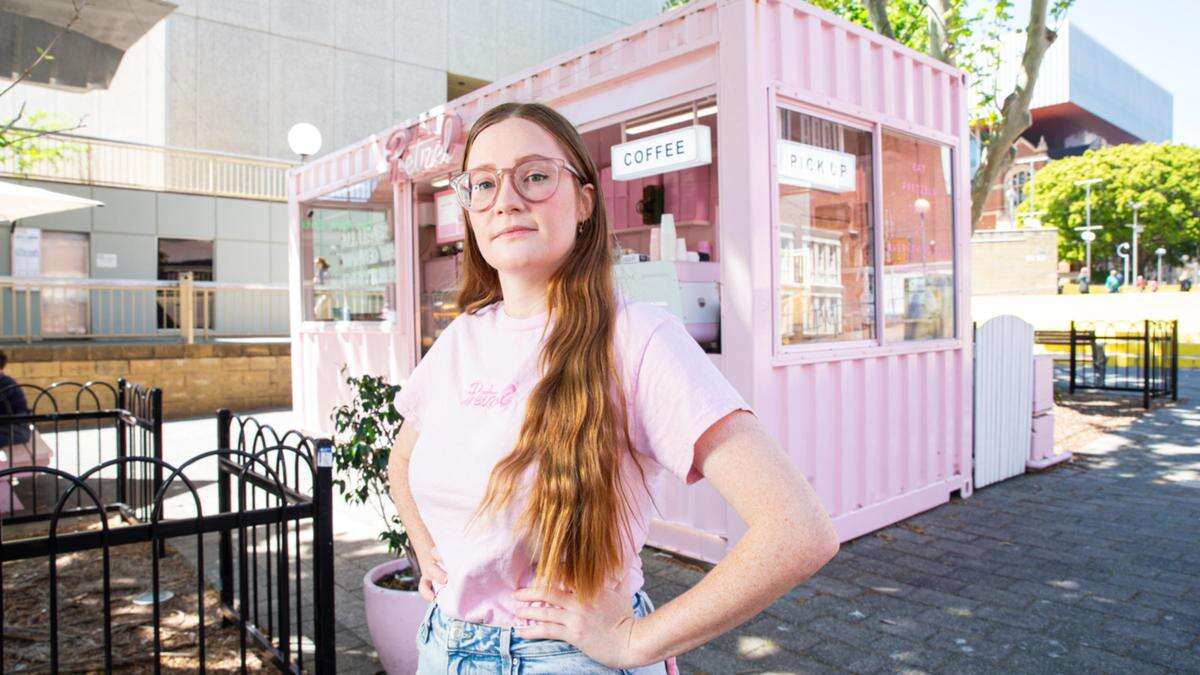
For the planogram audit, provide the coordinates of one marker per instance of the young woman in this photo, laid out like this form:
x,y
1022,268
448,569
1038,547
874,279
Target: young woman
x,y
537,425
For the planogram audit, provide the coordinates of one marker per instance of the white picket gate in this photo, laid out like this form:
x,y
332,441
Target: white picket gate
x,y
1003,398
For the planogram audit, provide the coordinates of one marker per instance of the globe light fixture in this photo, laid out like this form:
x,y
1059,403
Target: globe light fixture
x,y
304,139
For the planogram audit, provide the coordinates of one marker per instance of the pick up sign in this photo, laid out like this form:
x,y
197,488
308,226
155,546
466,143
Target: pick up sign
x,y
812,167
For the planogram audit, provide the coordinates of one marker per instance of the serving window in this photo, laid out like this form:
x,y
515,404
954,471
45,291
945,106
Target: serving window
x,y
348,254
826,280
918,235
828,234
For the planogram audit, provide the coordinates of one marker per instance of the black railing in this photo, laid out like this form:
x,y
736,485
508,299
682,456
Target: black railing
x,y
1141,357
269,603
282,483
71,427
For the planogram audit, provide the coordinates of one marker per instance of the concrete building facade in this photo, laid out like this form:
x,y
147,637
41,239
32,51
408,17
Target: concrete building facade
x,y
224,80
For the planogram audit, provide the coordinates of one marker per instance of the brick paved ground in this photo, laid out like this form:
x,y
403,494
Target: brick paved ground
x,y
1089,567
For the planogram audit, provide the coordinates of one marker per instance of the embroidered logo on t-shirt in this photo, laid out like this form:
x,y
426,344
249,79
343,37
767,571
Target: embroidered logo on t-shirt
x,y
485,395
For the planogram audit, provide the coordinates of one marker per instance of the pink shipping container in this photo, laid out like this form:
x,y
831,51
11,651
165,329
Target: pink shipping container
x,y
843,291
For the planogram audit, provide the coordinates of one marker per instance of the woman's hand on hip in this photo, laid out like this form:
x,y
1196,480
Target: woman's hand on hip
x,y
603,629
431,571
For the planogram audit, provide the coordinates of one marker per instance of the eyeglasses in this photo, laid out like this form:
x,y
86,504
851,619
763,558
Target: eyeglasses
x,y
534,179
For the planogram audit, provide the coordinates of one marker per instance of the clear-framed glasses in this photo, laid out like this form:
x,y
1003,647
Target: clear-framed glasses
x,y
534,179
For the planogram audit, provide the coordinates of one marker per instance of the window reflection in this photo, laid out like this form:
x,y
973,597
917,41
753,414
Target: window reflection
x,y
349,255
918,230
826,255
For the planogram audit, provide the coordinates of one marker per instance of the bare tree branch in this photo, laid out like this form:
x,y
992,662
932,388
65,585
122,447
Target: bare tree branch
x,y
30,134
79,5
877,9
1014,113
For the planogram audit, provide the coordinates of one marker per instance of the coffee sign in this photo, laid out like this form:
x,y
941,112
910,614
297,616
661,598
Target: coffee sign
x,y
812,167
672,151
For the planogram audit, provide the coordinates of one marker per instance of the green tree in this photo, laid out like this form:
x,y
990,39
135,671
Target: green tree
x,y
1164,177
967,34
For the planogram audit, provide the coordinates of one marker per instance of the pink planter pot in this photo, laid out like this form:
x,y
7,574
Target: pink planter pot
x,y
392,618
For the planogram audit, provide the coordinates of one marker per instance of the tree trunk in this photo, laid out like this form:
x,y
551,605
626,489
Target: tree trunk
x,y
877,9
937,31
1014,114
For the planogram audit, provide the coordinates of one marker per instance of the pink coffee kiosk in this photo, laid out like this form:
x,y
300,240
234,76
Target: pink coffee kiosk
x,y
793,186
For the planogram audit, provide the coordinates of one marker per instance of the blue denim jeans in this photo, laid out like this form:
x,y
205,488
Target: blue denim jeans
x,y
451,647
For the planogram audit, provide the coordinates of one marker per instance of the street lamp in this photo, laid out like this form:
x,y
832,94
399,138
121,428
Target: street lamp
x,y
1136,230
921,206
1088,229
1160,252
1123,251
305,140
1088,237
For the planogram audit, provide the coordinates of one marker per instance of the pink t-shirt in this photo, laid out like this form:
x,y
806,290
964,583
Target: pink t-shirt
x,y
467,398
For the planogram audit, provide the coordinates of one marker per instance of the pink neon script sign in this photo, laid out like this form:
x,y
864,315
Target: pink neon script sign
x,y
409,157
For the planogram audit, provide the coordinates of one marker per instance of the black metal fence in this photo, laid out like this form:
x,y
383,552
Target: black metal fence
x,y
269,594
1141,357
274,549
73,426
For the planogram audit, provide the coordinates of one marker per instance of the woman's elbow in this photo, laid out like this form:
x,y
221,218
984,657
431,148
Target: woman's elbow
x,y
815,549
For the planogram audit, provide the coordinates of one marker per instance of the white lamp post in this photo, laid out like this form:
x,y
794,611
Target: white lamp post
x,y
1160,252
1137,229
305,140
1088,237
1087,229
1123,251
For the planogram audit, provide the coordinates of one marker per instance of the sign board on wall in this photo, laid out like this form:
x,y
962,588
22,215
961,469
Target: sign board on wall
x,y
106,260
672,151
450,226
26,252
812,167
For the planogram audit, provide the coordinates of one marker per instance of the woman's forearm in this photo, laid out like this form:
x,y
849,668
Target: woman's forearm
x,y
406,507
759,569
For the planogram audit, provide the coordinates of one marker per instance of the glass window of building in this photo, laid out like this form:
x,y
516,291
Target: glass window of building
x,y
348,254
918,232
826,231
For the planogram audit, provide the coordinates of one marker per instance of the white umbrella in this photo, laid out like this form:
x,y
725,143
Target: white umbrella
x,y
22,201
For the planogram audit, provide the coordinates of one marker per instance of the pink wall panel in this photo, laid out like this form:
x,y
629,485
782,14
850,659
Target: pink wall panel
x,y
865,431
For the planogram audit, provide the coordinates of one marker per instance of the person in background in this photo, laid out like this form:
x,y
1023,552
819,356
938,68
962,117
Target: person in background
x,y
1141,283
1083,280
1185,282
12,402
323,307
1112,283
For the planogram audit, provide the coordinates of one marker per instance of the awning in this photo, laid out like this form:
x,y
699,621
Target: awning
x,y
22,201
87,55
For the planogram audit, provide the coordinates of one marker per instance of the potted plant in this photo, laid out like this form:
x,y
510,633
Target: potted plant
x,y
365,430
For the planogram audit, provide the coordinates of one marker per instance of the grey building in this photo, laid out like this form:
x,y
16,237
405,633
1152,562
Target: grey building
x,y
1088,97
187,146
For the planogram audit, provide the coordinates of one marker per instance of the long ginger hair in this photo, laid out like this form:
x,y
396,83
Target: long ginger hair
x,y
575,432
